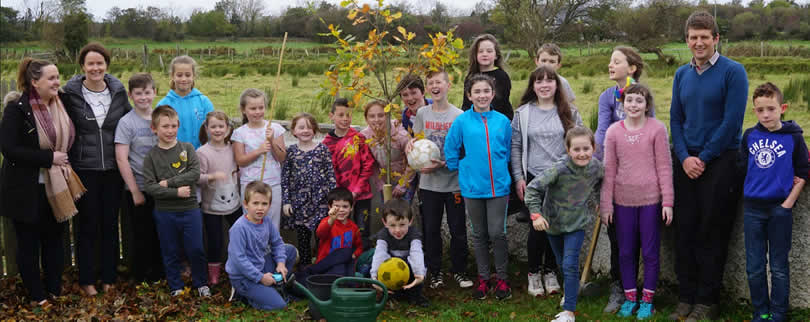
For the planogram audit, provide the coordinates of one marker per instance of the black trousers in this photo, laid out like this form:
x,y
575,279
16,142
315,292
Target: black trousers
x,y
362,218
47,237
705,209
215,235
147,264
433,206
98,224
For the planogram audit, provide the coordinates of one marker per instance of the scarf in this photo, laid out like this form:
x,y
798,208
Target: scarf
x,y
56,132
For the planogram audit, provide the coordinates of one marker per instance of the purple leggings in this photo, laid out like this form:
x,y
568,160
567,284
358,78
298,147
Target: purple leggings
x,y
634,226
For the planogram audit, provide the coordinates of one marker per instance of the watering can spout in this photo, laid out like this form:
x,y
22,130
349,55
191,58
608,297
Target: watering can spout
x,y
312,298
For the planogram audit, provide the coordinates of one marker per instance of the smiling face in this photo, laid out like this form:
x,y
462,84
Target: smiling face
x,y
769,112
580,150
618,68
481,94
486,55
142,98
438,86
304,131
545,88
94,66
183,78
166,130
701,43
344,209
635,105
546,59
375,118
413,98
256,206
254,110
47,86
397,226
217,130
341,117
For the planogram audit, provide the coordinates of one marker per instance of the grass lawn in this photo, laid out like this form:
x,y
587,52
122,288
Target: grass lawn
x,y
241,46
152,302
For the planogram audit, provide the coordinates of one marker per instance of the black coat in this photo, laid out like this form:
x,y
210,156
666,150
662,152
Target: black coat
x,y
94,148
22,159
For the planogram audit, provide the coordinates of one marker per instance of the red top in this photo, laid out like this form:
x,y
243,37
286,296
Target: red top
x,y
338,236
353,162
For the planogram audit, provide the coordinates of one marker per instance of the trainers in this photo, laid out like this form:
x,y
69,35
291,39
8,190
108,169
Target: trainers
x,y
418,300
502,290
562,300
480,292
564,317
204,291
645,311
536,285
550,281
702,312
176,293
233,293
628,308
615,300
681,311
436,281
762,317
462,280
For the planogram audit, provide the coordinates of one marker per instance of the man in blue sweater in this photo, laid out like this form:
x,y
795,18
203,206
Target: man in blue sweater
x,y
708,104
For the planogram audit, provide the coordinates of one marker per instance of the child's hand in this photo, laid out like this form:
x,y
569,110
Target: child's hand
x,y
281,268
138,198
409,146
399,191
287,210
607,217
267,279
184,192
666,214
265,147
540,224
269,133
520,189
219,175
435,164
332,215
164,183
417,279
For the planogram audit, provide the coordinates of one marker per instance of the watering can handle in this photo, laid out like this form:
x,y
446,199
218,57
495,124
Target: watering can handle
x,y
378,306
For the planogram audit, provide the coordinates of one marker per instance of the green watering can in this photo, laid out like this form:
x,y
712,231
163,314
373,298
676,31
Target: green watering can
x,y
349,304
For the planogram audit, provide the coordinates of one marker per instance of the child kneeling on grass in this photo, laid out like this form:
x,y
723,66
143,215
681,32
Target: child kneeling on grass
x,y
571,189
250,265
398,240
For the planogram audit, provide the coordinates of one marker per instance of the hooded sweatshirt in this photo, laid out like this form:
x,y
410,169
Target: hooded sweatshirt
x,y
191,110
771,160
478,146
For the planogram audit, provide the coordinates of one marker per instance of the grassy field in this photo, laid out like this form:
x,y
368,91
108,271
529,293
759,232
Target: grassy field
x,y
241,46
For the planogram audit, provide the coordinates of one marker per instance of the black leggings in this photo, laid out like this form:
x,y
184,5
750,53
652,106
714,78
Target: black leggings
x,y
540,256
46,236
216,237
304,249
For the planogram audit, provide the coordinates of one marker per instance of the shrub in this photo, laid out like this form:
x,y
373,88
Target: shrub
x,y
295,81
587,87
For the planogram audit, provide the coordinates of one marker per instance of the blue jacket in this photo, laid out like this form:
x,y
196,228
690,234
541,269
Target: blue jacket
x,y
191,110
707,110
478,145
771,160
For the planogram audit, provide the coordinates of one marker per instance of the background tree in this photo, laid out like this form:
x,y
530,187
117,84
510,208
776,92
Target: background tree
x,y
210,24
11,25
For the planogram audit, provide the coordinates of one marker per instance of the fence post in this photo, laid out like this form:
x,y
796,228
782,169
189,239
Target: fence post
x,y
145,58
176,49
761,49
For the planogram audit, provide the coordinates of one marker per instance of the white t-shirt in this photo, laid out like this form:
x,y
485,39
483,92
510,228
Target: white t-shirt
x,y
252,139
99,101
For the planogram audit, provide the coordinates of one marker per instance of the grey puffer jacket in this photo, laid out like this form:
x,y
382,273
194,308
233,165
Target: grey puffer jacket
x,y
94,148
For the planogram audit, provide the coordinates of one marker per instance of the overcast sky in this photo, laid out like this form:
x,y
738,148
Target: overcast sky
x,y
99,8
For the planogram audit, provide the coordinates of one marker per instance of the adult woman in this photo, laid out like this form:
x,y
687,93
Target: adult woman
x,y
96,101
36,179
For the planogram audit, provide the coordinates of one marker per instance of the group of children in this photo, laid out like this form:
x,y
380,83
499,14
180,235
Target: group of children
x,y
540,152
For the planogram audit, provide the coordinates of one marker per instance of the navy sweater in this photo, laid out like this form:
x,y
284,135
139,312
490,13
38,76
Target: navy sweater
x,y
707,110
771,160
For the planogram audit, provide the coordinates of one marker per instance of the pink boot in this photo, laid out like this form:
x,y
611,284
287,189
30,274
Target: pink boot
x,y
213,273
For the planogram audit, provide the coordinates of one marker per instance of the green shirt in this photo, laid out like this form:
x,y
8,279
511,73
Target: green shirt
x,y
177,165
571,195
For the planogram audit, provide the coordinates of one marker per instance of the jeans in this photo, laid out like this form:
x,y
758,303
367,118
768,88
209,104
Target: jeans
x,y
263,297
768,231
186,226
434,205
566,248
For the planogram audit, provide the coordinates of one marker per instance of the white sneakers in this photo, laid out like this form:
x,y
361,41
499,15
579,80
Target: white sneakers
x,y
536,284
552,286
564,317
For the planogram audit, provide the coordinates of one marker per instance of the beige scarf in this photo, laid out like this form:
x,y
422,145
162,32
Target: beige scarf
x,y
56,132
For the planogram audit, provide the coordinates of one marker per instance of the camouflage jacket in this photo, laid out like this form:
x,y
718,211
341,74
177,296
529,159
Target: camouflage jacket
x,y
571,195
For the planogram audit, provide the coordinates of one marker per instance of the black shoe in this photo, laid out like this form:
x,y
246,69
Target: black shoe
x,y
419,300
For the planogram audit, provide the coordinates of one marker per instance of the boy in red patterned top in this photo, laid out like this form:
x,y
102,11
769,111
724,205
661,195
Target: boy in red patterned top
x,y
353,163
339,241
